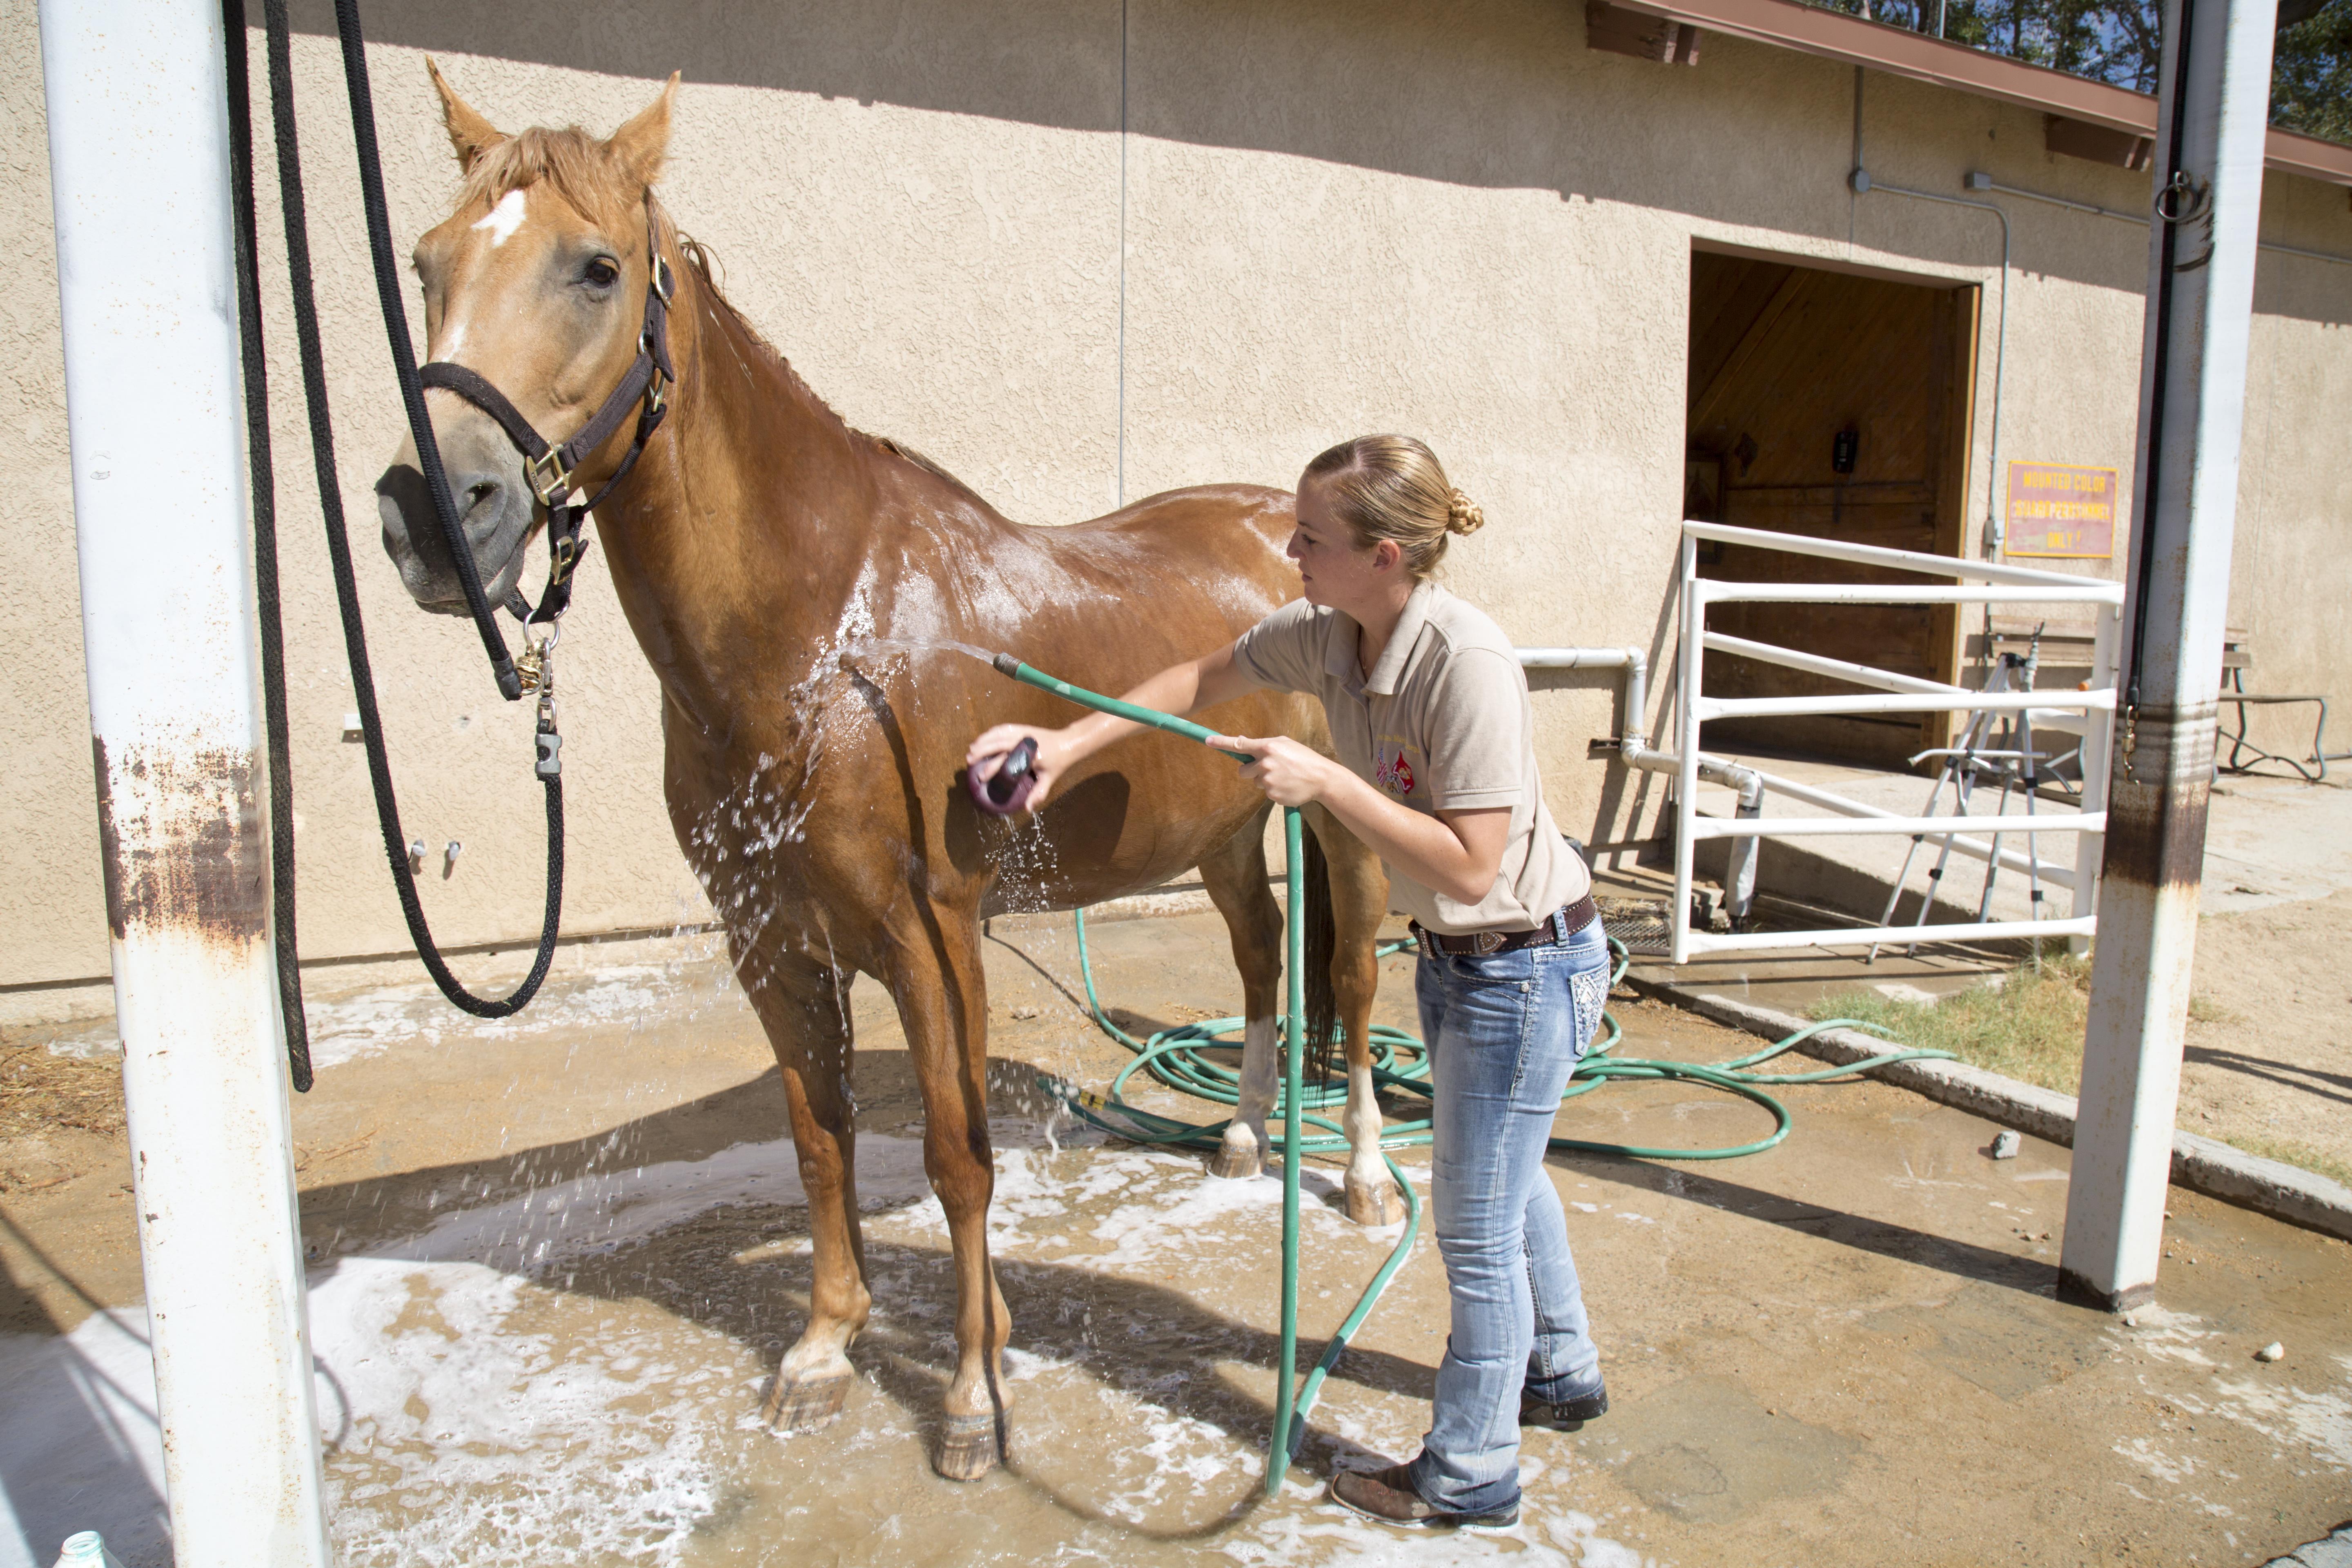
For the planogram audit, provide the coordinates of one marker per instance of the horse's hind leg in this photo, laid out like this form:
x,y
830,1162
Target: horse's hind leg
x,y
1359,897
804,1006
1234,875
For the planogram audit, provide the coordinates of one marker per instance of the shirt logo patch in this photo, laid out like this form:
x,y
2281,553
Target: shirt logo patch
x,y
1394,774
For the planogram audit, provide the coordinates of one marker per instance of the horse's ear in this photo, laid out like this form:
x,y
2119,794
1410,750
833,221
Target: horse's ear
x,y
643,142
469,133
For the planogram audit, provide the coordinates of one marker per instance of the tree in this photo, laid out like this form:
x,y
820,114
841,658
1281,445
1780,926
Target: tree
x,y
2121,42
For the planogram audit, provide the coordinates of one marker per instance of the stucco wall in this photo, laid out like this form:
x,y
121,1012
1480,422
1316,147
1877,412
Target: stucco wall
x,y
1451,220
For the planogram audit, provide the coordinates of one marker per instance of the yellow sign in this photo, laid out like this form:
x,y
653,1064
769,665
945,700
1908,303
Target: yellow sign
x,y
2054,510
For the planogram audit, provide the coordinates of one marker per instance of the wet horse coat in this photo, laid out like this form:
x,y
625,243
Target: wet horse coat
x,y
798,587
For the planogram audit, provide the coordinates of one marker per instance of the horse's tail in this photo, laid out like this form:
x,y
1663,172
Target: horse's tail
x,y
1322,942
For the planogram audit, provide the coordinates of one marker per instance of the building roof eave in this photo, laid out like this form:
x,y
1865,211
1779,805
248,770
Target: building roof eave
x,y
1899,51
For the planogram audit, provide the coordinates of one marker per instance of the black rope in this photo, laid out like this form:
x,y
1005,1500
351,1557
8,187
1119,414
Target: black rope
x,y
262,475
339,549
388,290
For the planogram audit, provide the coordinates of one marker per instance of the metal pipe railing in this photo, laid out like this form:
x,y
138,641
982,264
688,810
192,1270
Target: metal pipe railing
x,y
1982,582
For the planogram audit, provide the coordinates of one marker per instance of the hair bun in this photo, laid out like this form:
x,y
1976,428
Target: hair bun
x,y
1462,514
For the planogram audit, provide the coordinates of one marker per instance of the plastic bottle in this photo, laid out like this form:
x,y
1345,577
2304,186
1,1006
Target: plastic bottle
x,y
87,1550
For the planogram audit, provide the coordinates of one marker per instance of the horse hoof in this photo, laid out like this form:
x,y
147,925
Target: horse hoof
x,y
1375,1203
803,1404
969,1447
1231,1164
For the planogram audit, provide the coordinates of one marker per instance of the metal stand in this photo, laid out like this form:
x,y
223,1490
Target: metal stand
x,y
2015,764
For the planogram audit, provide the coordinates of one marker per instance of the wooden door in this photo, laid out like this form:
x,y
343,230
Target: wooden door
x,y
1785,361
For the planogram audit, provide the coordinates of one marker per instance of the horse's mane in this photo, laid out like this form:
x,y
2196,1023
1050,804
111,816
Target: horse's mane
x,y
698,256
576,165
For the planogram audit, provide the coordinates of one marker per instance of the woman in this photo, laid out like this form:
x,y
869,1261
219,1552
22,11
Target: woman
x,y
1436,771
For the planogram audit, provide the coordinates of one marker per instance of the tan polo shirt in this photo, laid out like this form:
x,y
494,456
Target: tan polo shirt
x,y
1443,723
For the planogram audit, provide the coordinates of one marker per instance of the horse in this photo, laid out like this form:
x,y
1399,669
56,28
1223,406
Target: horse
x,y
800,589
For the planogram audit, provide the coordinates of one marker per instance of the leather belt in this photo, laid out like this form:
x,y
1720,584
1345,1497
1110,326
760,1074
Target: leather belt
x,y
1565,923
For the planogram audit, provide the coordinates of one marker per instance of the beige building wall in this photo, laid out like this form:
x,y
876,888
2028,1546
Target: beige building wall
x,y
1451,220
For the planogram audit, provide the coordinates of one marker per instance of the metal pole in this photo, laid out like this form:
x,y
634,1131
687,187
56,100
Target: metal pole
x,y
1694,652
2090,849
2215,90
139,169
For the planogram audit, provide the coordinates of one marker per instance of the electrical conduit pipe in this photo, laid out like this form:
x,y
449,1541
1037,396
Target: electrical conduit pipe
x,y
1634,750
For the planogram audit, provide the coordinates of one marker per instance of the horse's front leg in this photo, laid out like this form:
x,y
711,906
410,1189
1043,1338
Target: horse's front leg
x,y
804,1004
1359,897
944,1006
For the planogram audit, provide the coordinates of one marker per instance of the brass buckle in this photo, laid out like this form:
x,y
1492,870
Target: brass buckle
x,y
563,556
656,392
530,664
661,280
550,480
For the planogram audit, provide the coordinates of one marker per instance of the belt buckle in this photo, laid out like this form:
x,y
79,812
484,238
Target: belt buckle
x,y
1486,943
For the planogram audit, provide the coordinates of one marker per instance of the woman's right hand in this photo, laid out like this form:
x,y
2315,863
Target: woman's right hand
x,y
1055,748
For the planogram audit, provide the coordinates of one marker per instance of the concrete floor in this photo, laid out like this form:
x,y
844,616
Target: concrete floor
x,y
553,1261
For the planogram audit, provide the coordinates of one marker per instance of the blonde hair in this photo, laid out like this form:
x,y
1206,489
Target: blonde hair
x,y
1390,486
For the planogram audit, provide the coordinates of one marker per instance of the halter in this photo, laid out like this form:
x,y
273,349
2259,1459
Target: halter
x,y
643,386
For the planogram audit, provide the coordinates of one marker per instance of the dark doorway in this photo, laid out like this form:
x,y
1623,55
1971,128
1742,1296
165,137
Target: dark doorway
x,y
1836,407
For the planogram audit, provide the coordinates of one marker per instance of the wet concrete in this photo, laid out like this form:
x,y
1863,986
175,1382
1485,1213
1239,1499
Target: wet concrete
x,y
554,1261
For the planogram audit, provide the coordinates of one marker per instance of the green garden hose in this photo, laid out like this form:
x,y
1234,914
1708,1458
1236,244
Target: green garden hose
x,y
1175,1058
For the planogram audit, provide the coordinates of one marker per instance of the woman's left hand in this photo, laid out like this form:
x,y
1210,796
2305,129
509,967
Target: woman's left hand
x,y
1291,774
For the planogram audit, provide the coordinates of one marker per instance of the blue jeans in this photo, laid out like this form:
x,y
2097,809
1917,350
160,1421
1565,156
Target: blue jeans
x,y
1505,1032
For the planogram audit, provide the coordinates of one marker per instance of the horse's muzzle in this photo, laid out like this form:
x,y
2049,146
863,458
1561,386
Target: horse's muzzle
x,y
496,513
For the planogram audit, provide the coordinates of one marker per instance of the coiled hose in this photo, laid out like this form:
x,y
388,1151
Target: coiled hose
x,y
1175,1058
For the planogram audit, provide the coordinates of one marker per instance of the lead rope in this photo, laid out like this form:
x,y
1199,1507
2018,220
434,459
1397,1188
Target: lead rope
x,y
547,765
263,477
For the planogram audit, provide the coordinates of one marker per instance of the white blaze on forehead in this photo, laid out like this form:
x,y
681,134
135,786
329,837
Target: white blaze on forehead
x,y
503,219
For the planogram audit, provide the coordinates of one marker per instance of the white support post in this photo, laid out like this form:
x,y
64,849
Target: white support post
x,y
1688,666
2214,91
139,163
2097,740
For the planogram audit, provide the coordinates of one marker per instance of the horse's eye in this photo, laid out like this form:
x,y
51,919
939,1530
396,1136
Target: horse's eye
x,y
601,273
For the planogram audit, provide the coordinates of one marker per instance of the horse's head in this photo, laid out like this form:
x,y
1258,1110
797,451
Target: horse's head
x,y
537,284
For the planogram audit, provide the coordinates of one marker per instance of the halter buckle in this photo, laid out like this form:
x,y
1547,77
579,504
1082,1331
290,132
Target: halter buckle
x,y
530,664
550,480
562,554
661,280
657,394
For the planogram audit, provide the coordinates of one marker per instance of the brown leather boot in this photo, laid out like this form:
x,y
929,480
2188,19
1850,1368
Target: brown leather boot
x,y
1389,1495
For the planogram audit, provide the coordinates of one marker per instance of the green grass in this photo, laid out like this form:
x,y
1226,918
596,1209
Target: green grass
x,y
2292,1152
2030,1027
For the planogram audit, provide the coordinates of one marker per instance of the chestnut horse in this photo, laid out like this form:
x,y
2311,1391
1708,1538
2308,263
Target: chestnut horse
x,y
796,586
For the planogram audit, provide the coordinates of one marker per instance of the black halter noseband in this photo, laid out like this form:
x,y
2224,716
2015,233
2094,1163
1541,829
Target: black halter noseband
x,y
645,386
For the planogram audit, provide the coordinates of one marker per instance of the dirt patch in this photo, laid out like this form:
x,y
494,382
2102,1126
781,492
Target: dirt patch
x,y
59,1115
2268,1060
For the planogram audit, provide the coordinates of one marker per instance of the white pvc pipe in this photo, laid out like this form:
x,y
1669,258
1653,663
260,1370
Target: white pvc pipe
x,y
139,166
1574,658
2097,592
1904,702
1882,936
1882,826
1694,609
1975,848
1880,555
1821,664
